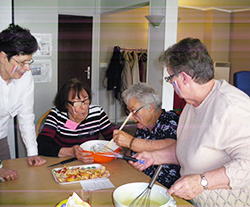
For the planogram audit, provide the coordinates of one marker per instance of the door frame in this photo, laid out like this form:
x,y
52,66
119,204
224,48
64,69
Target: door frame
x,y
95,63
95,77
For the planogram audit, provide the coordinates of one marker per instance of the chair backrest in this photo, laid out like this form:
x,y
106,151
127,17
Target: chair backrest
x,y
40,122
242,81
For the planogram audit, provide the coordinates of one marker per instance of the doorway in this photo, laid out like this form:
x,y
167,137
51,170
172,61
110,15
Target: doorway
x,y
74,48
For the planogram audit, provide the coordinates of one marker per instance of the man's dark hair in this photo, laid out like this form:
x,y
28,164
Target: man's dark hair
x,y
16,40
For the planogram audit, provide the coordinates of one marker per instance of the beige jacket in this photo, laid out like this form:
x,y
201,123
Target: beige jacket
x,y
130,73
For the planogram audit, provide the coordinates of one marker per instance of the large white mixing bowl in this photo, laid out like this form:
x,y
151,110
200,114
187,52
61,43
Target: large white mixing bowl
x,y
125,194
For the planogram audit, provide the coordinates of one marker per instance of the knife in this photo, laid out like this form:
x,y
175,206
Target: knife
x,y
125,157
63,162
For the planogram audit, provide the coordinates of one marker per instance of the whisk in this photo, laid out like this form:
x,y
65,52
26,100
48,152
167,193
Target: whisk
x,y
108,152
143,200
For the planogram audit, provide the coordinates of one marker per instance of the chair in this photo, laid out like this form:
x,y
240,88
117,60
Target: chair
x,y
40,122
242,81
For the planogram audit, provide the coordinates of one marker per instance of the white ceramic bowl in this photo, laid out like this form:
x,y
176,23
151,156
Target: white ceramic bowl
x,y
125,194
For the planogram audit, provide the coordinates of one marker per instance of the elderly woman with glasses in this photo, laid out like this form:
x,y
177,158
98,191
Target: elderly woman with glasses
x,y
156,128
71,122
213,135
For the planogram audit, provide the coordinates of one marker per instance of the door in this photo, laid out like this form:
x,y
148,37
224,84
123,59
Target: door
x,y
74,48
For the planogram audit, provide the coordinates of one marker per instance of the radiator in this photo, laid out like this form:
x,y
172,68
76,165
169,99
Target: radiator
x,y
222,70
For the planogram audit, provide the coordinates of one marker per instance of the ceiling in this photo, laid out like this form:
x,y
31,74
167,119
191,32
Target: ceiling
x,y
230,5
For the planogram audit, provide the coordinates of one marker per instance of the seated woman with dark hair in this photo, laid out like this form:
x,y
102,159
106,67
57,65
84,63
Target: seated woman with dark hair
x,y
71,122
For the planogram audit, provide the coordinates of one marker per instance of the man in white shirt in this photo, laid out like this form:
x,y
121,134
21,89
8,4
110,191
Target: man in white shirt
x,y
17,46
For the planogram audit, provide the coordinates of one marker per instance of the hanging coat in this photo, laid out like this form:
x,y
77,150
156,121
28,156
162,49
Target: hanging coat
x,y
135,70
126,72
114,71
130,74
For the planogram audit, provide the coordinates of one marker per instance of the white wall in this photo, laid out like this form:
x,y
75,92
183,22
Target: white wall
x,y
41,16
5,14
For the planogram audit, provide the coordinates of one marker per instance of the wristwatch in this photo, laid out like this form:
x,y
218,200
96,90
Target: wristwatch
x,y
203,181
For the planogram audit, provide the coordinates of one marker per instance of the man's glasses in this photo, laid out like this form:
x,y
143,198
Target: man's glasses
x,y
168,79
79,103
23,63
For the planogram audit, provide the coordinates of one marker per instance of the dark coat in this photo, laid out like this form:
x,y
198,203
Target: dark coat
x,y
114,71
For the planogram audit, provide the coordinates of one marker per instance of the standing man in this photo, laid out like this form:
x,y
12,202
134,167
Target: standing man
x,y
17,46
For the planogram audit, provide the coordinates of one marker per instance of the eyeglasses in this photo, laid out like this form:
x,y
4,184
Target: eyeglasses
x,y
79,103
23,63
168,79
134,111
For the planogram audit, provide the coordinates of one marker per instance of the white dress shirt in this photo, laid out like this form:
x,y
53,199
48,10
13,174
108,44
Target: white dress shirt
x,y
17,98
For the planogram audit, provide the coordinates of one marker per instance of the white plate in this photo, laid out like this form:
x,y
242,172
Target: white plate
x,y
85,166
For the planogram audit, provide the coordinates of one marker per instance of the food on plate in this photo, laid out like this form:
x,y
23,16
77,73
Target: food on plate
x,y
78,173
73,201
76,201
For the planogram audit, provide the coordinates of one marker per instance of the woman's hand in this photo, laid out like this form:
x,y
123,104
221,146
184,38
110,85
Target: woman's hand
x,y
82,156
7,174
187,187
122,138
36,160
143,156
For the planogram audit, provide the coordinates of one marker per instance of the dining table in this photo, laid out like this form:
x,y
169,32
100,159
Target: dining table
x,y
36,186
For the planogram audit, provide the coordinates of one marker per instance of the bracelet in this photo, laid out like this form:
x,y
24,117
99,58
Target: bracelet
x,y
130,145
